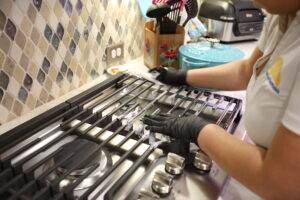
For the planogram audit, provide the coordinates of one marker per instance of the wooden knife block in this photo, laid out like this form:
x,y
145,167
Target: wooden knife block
x,y
162,50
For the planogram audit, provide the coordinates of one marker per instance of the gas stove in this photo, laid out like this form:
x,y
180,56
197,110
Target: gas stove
x,y
95,146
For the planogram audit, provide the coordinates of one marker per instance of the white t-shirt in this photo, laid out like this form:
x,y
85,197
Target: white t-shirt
x,y
273,96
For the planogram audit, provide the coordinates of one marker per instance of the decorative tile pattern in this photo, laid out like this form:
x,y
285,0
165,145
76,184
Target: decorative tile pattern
x,y
37,4
31,13
1,94
4,80
5,43
48,32
1,58
7,101
46,65
23,94
48,48
62,2
2,20
24,61
55,41
69,8
10,29
28,82
63,68
17,108
20,39
70,75
79,6
41,77
72,47
60,31
9,66
76,36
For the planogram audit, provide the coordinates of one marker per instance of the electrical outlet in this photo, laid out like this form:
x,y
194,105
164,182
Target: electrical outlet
x,y
114,53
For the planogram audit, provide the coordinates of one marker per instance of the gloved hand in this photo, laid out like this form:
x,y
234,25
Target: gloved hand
x,y
171,77
178,147
185,128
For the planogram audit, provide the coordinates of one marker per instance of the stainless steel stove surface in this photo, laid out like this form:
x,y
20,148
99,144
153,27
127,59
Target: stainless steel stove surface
x,y
95,146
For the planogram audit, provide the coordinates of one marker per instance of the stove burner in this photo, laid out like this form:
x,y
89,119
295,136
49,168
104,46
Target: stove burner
x,y
86,147
102,160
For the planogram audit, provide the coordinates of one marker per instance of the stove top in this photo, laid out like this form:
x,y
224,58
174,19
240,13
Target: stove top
x,y
95,146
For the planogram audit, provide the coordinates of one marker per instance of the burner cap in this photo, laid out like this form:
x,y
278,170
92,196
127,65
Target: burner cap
x,y
86,147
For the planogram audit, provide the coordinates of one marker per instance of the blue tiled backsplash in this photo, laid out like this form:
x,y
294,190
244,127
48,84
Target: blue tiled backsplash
x,y
50,47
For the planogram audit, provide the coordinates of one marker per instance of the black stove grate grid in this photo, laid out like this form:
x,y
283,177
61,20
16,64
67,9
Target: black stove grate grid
x,y
63,110
30,185
39,189
34,128
12,175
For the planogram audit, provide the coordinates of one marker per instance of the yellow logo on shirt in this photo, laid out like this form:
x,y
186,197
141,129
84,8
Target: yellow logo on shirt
x,y
274,74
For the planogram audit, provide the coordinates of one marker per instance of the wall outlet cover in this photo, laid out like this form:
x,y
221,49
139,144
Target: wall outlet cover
x,y
114,53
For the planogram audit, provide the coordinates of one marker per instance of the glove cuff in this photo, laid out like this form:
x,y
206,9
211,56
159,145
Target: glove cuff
x,y
171,76
194,137
182,77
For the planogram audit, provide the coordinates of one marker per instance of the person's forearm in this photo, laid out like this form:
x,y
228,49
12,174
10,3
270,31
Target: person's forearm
x,y
242,161
231,76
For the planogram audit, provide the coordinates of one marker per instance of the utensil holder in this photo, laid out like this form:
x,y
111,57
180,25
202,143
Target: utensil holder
x,y
161,49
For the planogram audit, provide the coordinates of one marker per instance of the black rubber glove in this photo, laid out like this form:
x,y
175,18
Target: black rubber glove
x,y
184,128
177,146
171,76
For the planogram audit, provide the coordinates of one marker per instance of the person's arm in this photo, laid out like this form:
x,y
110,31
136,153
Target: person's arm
x,y
272,173
231,76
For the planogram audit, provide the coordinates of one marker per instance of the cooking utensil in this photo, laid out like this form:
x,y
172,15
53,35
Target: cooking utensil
x,y
191,8
176,5
168,26
169,2
159,11
159,1
174,164
170,21
162,183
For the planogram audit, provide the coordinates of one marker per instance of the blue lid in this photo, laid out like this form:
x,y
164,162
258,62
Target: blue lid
x,y
203,51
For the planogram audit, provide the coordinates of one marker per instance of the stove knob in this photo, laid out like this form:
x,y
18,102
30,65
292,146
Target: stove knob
x,y
162,183
202,162
174,164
